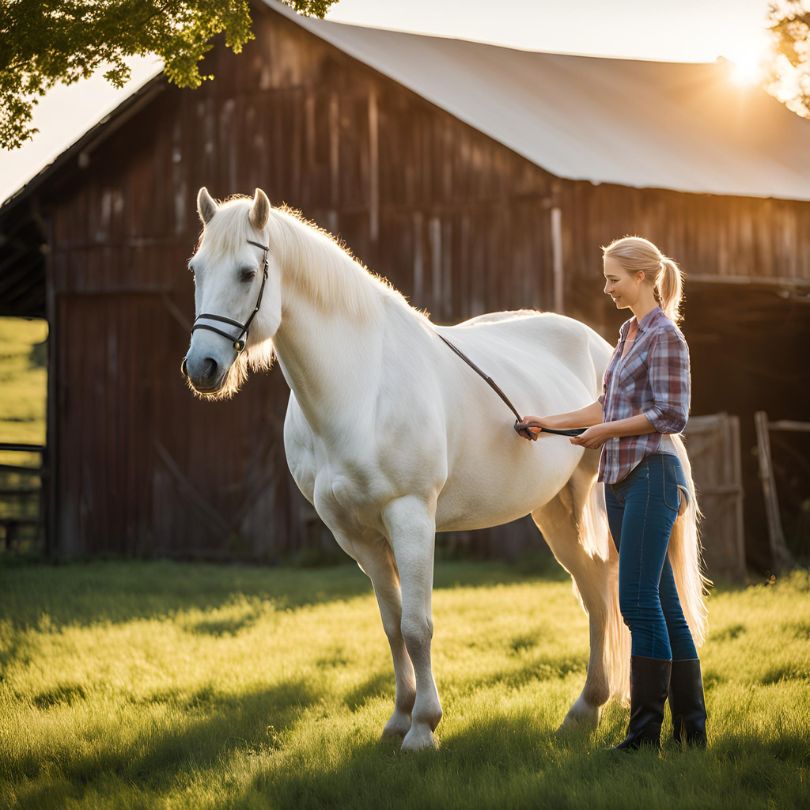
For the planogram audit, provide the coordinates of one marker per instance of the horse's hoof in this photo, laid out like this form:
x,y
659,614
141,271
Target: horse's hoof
x,y
419,739
581,717
398,725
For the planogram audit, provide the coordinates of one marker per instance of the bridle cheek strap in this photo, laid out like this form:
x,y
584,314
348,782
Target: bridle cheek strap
x,y
241,339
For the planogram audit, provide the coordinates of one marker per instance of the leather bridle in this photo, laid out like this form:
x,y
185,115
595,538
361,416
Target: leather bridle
x,y
238,342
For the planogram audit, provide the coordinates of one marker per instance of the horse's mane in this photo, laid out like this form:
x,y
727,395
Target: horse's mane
x,y
320,266
328,272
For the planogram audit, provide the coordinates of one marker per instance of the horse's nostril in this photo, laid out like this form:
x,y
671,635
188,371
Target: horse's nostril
x,y
210,368
184,368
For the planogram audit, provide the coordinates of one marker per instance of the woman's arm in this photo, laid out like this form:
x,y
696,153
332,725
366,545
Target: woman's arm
x,y
636,425
597,435
584,417
670,383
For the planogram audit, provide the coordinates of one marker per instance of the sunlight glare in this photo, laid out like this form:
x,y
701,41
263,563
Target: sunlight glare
x,y
746,73
748,62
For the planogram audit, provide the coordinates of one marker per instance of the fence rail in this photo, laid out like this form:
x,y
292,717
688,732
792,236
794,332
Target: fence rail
x,y
22,505
780,553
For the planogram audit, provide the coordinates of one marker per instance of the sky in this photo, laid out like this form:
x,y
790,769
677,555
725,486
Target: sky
x,y
666,30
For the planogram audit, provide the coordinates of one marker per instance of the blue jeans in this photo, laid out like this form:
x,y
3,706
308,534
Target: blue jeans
x,y
642,508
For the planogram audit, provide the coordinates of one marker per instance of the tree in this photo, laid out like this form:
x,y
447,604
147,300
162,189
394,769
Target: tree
x,y
45,42
789,22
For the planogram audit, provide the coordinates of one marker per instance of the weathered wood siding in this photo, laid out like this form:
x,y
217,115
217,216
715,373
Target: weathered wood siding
x,y
456,221
715,240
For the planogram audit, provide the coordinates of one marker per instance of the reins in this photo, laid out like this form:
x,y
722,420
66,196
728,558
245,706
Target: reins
x,y
241,339
523,431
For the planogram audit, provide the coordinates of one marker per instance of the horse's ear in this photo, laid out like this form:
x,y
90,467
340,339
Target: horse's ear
x,y
260,210
206,205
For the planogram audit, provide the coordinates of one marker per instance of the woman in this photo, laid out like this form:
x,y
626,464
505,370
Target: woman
x,y
645,398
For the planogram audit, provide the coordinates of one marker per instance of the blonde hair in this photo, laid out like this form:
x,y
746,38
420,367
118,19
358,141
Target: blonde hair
x,y
635,253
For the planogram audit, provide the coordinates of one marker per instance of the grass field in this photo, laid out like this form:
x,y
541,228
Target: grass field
x,y
179,685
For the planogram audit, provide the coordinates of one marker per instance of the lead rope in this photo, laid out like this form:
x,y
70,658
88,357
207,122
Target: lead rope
x,y
523,431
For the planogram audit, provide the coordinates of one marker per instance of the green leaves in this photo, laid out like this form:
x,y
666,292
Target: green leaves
x,y
45,42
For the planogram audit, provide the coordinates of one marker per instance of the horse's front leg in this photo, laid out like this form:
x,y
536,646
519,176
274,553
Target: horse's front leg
x,y
411,528
376,559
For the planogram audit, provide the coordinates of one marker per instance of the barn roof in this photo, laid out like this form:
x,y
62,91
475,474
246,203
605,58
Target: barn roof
x,y
680,126
669,125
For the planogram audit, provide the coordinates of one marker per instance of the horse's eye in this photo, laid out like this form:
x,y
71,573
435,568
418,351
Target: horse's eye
x,y
247,274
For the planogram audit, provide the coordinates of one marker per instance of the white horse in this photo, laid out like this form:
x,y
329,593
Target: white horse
x,y
392,437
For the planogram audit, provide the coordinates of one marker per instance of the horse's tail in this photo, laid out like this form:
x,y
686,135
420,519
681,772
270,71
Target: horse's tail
x,y
595,537
685,556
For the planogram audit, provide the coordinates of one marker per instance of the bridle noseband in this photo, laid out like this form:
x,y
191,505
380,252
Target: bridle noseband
x,y
238,343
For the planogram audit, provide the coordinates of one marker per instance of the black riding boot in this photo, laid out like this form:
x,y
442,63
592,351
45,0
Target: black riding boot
x,y
649,680
686,703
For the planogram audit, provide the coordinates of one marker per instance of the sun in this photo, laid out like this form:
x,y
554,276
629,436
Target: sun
x,y
746,73
747,61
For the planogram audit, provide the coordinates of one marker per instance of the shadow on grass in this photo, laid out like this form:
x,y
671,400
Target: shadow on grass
x,y
225,627
795,671
543,668
214,725
509,761
42,596
376,772
381,684
63,693
87,593
505,760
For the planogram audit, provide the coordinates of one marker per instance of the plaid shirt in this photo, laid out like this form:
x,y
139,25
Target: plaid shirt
x,y
652,379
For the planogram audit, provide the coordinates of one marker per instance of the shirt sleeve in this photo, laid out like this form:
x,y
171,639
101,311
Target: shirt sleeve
x,y
668,369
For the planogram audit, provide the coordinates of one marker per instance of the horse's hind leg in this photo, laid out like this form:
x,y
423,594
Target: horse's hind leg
x,y
559,521
375,558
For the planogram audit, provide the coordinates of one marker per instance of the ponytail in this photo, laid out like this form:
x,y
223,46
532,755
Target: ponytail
x,y
668,289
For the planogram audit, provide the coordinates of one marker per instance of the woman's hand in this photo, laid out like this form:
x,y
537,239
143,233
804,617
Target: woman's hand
x,y
593,437
533,426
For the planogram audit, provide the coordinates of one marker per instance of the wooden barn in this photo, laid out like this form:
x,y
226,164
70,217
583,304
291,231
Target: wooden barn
x,y
476,178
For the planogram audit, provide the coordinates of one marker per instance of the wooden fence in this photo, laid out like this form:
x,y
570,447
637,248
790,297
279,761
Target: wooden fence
x,y
782,559
714,452
22,507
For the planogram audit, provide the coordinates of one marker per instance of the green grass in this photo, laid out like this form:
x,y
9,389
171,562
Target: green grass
x,y
173,685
